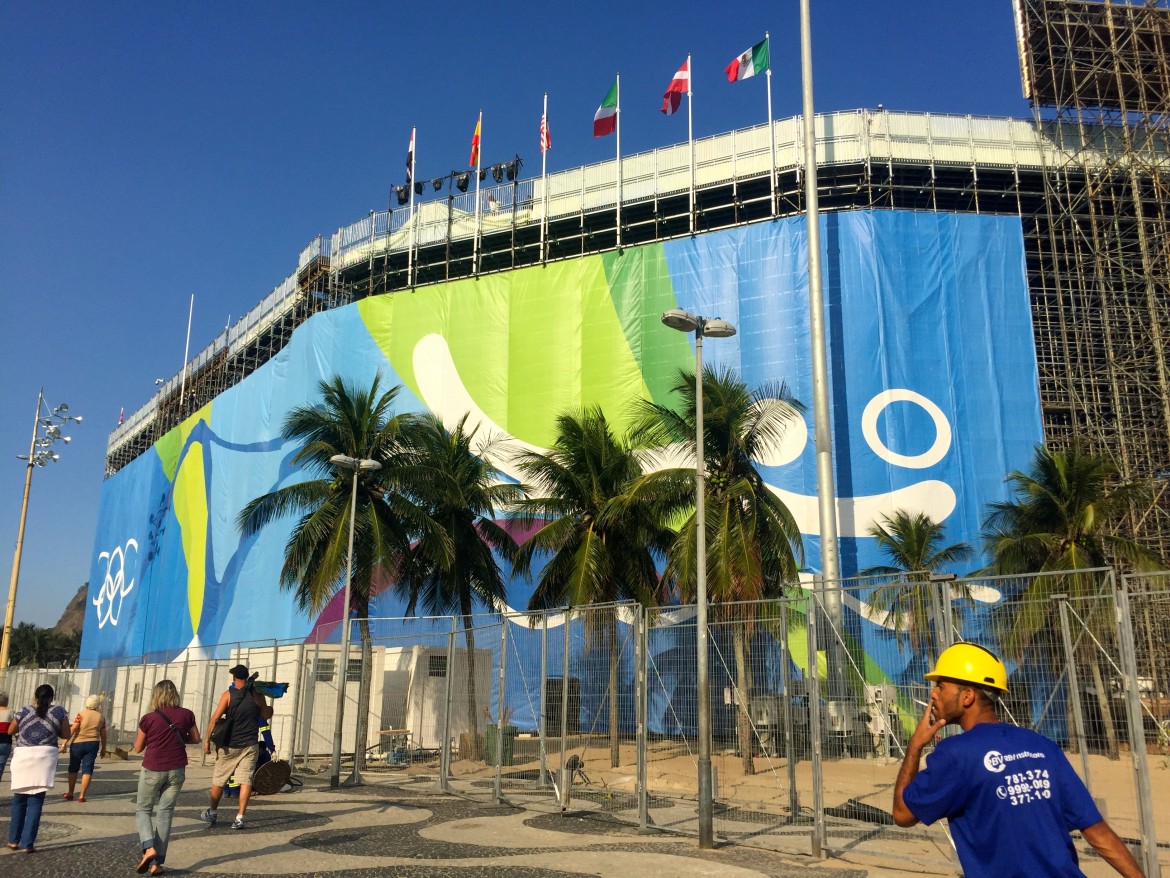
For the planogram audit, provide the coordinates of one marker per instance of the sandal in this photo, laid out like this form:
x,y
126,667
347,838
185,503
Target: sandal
x,y
68,797
156,869
147,862
81,798
13,847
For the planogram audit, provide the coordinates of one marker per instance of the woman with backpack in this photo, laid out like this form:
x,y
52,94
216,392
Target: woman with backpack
x,y
36,731
164,734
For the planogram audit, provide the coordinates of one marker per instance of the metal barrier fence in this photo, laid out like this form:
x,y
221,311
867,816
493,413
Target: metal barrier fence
x,y
594,709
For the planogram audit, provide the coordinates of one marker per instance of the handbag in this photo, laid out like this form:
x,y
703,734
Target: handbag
x,y
221,733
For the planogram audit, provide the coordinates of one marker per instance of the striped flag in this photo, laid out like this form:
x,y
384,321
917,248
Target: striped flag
x,y
605,119
679,86
474,160
545,134
751,62
121,414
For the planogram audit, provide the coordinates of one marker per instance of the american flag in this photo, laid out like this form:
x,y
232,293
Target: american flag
x,y
545,135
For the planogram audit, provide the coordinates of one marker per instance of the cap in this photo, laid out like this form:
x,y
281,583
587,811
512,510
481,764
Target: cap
x,y
240,672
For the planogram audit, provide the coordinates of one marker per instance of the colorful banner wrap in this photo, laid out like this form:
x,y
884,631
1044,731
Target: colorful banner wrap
x,y
933,391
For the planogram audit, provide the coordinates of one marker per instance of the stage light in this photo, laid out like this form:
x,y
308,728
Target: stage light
x,y
437,183
482,174
513,168
462,180
498,173
403,194
418,188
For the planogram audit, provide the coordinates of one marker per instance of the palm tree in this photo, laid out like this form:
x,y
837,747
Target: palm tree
x,y
1064,515
451,475
753,542
602,543
913,543
359,424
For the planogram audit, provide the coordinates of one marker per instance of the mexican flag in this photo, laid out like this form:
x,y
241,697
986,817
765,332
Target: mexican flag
x,y
751,62
605,119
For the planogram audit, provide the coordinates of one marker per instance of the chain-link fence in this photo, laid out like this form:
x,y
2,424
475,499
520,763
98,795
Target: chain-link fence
x,y
594,710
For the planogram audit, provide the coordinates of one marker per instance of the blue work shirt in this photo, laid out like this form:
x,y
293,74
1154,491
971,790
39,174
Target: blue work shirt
x,y
1011,799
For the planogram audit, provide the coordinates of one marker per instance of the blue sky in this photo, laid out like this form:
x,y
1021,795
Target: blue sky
x,y
149,151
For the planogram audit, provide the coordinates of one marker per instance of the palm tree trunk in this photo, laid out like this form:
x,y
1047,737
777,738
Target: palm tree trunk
x,y
472,699
1106,710
743,684
363,711
615,758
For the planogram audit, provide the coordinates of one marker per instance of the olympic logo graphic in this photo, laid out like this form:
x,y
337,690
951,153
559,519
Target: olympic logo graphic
x,y
112,594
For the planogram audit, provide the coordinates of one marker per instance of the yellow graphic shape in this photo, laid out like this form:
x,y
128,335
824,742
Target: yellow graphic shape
x,y
170,446
526,345
190,506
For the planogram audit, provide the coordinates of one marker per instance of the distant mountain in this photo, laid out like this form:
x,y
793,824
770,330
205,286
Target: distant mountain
x,y
74,615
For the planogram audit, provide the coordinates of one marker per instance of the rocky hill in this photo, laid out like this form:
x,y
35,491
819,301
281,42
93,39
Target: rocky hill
x,y
74,615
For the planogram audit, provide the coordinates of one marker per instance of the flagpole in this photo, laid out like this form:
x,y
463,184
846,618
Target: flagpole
x,y
771,130
478,214
186,352
691,136
617,123
544,183
410,242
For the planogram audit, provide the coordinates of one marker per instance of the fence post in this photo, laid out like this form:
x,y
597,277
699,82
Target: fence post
x,y
791,755
310,702
501,707
1137,735
813,683
298,683
565,776
1074,687
641,647
445,746
543,782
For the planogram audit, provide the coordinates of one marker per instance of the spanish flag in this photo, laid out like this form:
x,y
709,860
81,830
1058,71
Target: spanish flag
x,y
474,160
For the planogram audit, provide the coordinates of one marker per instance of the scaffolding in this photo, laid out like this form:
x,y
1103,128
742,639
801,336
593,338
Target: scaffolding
x,y
1098,78
867,159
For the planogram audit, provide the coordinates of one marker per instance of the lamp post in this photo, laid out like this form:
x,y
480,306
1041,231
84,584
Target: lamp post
x,y
46,433
357,466
684,321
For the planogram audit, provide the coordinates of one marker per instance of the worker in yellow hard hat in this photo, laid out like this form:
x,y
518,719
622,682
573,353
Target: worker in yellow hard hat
x,y
1009,794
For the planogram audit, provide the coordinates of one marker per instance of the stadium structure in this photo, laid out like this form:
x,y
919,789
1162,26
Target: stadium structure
x,y
1041,247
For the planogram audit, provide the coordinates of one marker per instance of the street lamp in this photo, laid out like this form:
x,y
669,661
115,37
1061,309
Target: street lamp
x,y
46,433
684,321
358,466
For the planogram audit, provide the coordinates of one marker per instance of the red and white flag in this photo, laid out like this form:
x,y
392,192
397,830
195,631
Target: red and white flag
x,y
121,414
545,134
679,86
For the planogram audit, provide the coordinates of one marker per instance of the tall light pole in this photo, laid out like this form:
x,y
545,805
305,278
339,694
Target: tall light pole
x,y
822,426
684,321
46,433
357,466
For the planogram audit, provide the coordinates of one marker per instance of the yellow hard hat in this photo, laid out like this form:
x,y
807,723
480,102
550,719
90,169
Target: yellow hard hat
x,y
970,663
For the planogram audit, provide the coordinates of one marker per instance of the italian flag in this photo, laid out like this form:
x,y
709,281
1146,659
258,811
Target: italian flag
x,y
605,119
751,62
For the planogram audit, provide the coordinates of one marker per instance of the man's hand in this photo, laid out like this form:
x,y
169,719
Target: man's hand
x,y
926,729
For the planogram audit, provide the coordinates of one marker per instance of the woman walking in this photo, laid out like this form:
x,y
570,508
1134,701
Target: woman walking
x,y
35,731
164,734
88,735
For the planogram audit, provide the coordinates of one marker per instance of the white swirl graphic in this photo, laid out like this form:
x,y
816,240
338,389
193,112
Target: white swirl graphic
x,y
112,594
942,427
